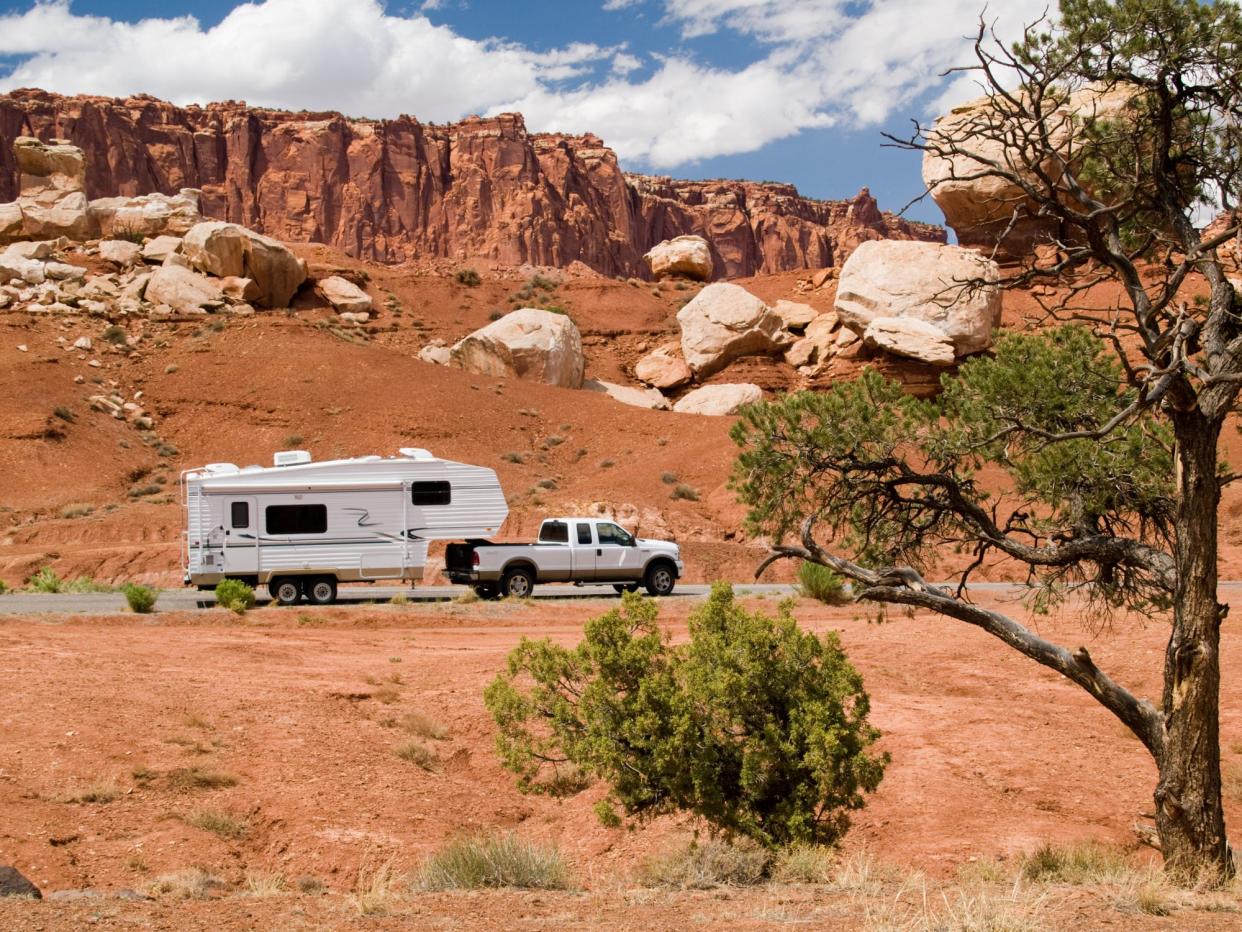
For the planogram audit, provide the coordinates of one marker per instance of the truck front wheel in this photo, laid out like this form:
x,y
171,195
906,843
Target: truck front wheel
x,y
519,583
660,579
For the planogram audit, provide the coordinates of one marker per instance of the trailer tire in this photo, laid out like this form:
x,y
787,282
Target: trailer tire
x,y
518,582
660,578
284,590
321,590
625,587
487,591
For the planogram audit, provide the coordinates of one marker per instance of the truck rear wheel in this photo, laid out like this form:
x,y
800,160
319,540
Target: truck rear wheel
x,y
660,579
519,583
321,590
284,590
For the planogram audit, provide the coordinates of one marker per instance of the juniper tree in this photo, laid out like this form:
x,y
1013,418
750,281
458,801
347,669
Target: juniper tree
x,y
1106,434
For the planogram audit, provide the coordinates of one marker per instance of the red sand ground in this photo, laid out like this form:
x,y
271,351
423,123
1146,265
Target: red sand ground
x,y
992,756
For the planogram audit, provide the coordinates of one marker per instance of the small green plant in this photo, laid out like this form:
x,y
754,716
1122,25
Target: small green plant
x,y
756,726
542,283
45,580
4,587
554,441
64,414
468,277
684,492
129,233
141,599
234,595
219,822
822,583
478,861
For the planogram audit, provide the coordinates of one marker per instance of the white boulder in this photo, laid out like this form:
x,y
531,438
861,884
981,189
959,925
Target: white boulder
x,y
663,367
344,296
182,289
629,395
120,252
910,337
724,322
160,248
14,266
794,315
690,256
718,400
10,221
226,249
436,352
954,289
528,343
147,214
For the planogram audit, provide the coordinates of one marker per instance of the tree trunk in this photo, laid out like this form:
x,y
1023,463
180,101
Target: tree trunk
x,y
1189,816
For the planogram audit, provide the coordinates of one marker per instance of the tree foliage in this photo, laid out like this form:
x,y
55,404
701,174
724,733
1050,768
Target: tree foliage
x,y
756,726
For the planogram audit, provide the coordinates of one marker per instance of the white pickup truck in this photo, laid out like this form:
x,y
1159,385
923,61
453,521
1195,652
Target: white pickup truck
x,y
577,550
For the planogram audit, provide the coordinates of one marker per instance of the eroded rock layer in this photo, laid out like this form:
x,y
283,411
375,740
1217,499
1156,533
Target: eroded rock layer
x,y
392,190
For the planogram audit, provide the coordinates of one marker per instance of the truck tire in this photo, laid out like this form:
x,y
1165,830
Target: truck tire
x,y
625,587
518,582
284,590
321,590
660,578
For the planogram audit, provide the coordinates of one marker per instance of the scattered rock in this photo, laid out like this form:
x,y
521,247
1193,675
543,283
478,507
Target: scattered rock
x,y
42,249
159,249
120,252
629,395
528,343
909,336
690,256
664,367
344,295
922,281
718,400
12,883
63,271
238,288
795,316
725,322
82,343
437,352
361,317
11,221
823,277
13,266
182,289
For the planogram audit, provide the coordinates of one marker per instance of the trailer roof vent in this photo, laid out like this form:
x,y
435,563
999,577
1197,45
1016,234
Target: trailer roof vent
x,y
416,453
291,458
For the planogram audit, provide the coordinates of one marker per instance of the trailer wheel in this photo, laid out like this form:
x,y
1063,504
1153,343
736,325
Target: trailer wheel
x,y
660,579
519,583
284,590
322,590
625,587
487,591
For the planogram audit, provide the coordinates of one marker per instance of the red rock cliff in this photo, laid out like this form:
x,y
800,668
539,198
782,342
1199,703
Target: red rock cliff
x,y
391,190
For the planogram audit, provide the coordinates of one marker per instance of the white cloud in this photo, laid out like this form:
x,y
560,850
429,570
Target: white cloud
x,y
818,63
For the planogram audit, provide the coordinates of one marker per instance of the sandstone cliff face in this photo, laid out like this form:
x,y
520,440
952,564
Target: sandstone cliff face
x,y
394,190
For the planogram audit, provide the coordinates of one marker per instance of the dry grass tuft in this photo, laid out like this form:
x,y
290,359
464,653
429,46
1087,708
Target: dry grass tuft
x,y
200,778
704,865
1084,863
376,889
802,863
259,883
192,884
416,723
416,753
477,861
219,822
102,790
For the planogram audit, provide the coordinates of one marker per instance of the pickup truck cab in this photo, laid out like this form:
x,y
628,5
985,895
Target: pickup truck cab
x,y
577,550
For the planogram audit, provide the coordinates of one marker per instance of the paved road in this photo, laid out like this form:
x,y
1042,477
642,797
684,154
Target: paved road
x,y
29,603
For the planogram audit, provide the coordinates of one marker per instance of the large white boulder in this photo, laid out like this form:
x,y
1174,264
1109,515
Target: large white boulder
x,y
147,214
120,252
910,337
629,395
725,322
10,221
955,289
690,256
529,343
718,400
16,267
344,296
183,289
663,367
51,198
227,249
158,250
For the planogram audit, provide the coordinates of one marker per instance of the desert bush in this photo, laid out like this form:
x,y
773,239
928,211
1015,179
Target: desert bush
x,y
63,413
685,492
416,723
4,587
755,726
1085,863
195,884
493,861
200,778
98,791
234,595
513,457
219,822
468,277
416,753
703,865
45,580
293,440
669,478
84,584
77,510
141,599
821,583
114,334
129,233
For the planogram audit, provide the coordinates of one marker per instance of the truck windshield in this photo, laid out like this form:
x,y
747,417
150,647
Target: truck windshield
x,y
613,534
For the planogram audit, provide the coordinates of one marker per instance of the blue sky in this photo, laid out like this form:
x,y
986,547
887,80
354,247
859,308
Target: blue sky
x,y
788,90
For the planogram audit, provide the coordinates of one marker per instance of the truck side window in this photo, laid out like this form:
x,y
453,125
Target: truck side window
x,y
612,534
241,514
297,519
554,532
431,493
584,533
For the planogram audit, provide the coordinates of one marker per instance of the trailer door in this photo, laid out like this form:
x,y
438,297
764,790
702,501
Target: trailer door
x,y
241,536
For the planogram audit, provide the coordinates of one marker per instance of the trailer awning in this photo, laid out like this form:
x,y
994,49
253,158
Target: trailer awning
x,y
231,486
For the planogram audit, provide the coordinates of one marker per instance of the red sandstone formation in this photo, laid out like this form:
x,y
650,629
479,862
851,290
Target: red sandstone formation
x,y
392,190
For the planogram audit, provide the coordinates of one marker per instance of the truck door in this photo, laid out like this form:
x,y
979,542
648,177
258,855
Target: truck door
x,y
585,552
617,557
241,536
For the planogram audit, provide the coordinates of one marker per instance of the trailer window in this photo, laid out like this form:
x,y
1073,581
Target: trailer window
x,y
554,532
297,519
584,533
241,514
431,493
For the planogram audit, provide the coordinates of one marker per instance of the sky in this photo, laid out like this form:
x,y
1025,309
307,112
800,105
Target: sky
x,y
782,90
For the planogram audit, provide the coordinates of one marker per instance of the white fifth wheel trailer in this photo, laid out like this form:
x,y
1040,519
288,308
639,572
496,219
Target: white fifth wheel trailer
x,y
301,527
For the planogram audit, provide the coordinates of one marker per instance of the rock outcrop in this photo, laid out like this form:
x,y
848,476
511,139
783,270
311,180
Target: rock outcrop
x,y
226,249
392,190
529,343
724,322
690,256
954,289
718,400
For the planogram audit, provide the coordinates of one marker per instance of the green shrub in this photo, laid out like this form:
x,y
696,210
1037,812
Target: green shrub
x,y
4,587
129,233
822,583
45,580
234,595
755,726
545,284
85,584
493,861
468,277
114,334
141,599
